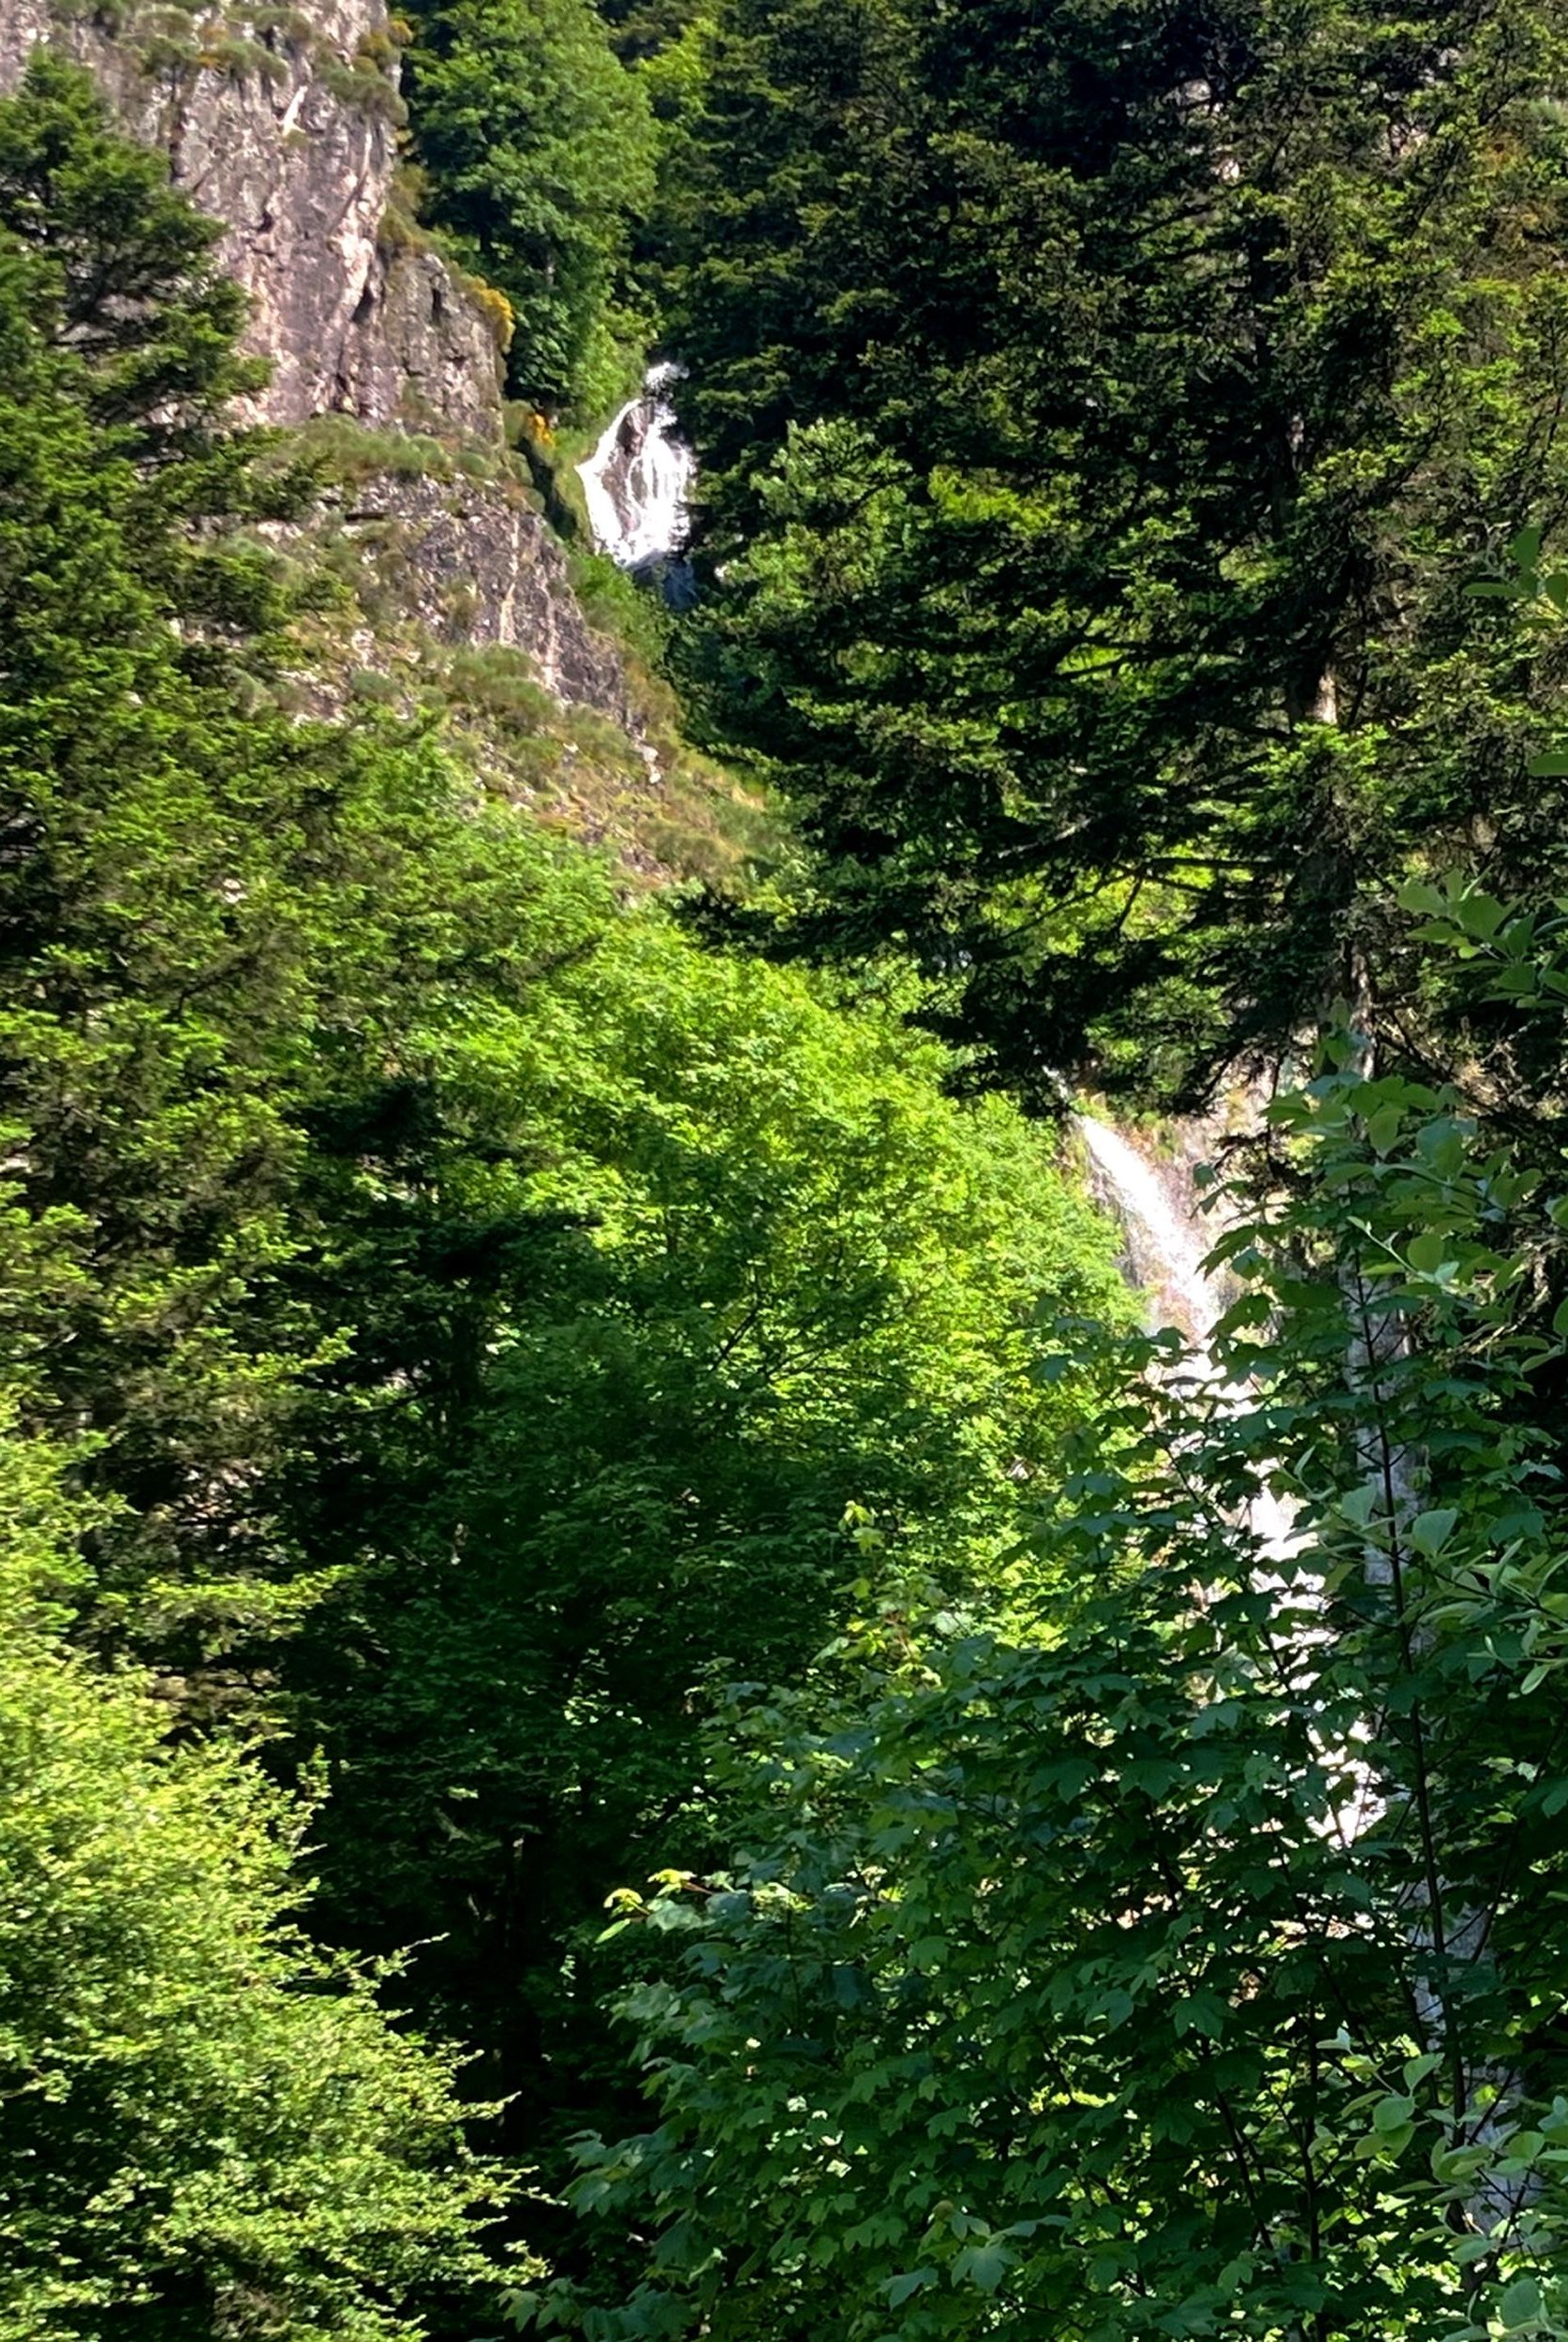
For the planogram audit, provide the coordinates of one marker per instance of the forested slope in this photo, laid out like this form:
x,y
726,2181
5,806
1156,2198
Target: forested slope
x,y
1132,458
456,1325
634,1704
1104,414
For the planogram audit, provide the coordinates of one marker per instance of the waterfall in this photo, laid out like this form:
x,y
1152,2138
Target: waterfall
x,y
637,481
1166,1244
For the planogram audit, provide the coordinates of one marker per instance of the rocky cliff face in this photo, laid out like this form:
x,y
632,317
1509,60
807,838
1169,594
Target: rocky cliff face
x,y
471,564
284,126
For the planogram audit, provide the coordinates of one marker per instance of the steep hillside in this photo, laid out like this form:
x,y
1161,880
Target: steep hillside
x,y
284,125
458,596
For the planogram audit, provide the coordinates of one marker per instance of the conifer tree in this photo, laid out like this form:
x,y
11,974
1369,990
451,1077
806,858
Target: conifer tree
x,y
1159,379
207,2126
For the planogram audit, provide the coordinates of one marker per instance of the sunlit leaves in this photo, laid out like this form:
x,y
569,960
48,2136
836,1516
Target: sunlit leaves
x,y
201,2112
1198,1915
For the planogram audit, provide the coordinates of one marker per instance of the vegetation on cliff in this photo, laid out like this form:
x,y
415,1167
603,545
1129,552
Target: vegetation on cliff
x,y
459,1312
583,1428
537,154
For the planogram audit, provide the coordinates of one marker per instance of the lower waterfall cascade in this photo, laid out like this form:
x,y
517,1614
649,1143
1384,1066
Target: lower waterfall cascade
x,y
1166,1245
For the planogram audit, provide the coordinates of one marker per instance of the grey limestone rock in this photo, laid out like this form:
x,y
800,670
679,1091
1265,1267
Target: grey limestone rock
x,y
284,127
476,565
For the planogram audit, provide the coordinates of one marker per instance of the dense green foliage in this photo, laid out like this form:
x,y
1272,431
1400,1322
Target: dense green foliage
x,y
543,1406
464,1312
538,153
205,2127
152,956
642,29
1102,409
793,1280
1176,1950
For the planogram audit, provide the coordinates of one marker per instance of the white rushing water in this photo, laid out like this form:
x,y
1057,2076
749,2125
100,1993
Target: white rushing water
x,y
1167,1243
638,479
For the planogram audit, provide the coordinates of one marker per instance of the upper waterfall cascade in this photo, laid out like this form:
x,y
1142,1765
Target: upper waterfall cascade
x,y
638,479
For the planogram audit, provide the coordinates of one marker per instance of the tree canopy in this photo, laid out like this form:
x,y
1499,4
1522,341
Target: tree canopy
x,y
792,1281
551,1467
1103,412
1166,1951
464,1313
207,2126
538,151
